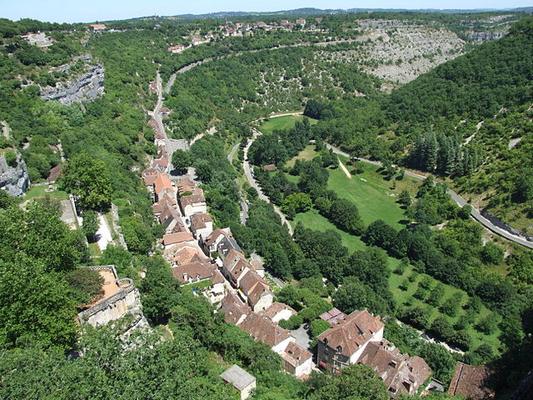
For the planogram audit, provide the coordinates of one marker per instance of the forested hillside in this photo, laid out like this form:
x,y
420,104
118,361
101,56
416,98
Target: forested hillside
x,y
459,120
407,254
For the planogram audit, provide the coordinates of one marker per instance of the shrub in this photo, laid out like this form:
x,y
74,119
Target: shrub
x,y
85,283
436,294
11,158
491,254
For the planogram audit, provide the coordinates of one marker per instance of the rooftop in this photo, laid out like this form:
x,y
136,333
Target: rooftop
x,y
238,377
356,330
471,382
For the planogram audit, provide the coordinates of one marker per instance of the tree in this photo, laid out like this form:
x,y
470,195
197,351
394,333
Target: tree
x,y
355,382
491,254
523,190
11,158
86,284
36,307
345,215
88,179
354,295
181,160
296,203
404,199
159,290
90,225
378,233
318,326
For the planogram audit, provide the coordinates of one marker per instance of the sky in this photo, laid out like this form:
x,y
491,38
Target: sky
x,y
94,10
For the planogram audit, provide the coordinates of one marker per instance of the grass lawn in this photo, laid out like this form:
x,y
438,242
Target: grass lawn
x,y
313,220
37,192
374,196
282,123
308,153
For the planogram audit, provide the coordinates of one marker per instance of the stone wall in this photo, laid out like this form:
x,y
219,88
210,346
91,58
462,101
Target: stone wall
x,y
14,180
125,301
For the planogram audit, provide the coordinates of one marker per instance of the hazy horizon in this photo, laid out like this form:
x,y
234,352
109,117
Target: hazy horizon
x,y
103,10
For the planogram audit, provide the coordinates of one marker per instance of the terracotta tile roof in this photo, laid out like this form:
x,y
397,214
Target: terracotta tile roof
x,y
162,182
184,253
333,316
161,163
276,308
232,258
357,329
400,373
233,308
264,330
295,354
471,382
254,287
185,185
214,236
175,238
149,176
196,198
200,220
195,271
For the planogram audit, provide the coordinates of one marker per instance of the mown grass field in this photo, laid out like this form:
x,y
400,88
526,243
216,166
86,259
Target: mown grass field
x,y
308,153
282,123
374,196
39,192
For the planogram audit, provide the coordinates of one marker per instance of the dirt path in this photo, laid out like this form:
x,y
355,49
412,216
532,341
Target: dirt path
x,y
345,170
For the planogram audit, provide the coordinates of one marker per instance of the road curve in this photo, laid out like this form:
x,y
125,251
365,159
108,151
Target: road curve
x,y
460,201
475,213
253,183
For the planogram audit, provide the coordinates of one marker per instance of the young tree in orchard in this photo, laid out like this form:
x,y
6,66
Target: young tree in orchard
x,y
88,179
181,160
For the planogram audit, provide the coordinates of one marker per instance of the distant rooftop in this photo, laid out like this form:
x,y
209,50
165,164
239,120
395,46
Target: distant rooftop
x,y
238,377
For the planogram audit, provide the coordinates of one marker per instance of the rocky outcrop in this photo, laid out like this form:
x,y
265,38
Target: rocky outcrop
x,y
87,87
485,36
14,180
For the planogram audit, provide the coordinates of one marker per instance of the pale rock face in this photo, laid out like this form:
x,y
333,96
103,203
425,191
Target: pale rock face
x,y
14,180
87,87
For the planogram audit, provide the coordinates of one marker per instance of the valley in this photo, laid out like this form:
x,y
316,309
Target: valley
x,y
244,193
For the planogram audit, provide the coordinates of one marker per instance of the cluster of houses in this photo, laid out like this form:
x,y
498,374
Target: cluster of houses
x,y
244,29
212,260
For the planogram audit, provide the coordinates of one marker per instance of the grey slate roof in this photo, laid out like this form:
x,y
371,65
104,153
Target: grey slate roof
x,y
238,377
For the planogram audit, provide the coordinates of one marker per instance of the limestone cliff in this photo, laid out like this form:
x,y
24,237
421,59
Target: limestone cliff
x,y
87,87
14,180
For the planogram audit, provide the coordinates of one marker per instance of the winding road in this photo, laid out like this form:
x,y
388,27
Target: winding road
x,y
253,183
475,213
460,201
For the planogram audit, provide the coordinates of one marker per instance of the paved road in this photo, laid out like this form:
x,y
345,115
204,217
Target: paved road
x,y
455,197
460,201
253,183
104,233
156,113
